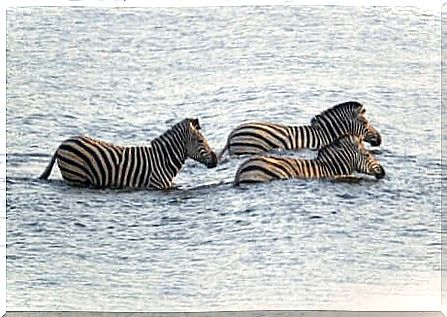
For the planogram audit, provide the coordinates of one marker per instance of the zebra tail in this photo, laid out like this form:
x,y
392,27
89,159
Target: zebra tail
x,y
46,173
221,153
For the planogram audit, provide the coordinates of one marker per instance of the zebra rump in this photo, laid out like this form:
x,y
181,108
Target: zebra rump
x,y
341,158
83,160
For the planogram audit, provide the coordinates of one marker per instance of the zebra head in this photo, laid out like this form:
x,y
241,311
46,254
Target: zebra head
x,y
347,155
368,132
364,160
197,146
347,118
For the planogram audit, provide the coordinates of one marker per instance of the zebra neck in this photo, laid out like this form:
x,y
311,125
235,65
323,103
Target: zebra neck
x,y
304,137
322,169
170,152
335,165
330,132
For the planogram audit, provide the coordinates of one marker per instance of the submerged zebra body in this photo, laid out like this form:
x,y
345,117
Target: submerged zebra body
x,y
340,120
341,158
86,161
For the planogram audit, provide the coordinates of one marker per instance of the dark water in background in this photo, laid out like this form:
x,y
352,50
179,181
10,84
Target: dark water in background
x,y
126,75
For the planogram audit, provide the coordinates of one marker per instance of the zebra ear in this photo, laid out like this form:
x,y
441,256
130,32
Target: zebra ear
x,y
195,123
314,121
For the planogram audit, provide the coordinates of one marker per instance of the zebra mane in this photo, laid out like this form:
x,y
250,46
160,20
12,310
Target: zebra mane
x,y
340,144
182,126
352,108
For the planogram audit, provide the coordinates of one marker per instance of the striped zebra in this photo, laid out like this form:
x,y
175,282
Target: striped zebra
x,y
337,160
86,161
340,120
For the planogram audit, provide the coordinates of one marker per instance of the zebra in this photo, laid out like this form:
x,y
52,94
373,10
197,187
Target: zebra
x,y
86,161
337,160
340,120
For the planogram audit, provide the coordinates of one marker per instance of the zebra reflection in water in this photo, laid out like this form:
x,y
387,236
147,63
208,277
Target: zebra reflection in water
x,y
86,161
347,118
337,160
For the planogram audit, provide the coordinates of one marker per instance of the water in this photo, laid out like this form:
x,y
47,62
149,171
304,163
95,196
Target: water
x,y
126,75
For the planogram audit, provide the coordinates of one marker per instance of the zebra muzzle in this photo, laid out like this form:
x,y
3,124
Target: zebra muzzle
x,y
380,173
213,162
377,141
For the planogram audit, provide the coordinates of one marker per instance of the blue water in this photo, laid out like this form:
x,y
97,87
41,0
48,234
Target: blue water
x,y
127,75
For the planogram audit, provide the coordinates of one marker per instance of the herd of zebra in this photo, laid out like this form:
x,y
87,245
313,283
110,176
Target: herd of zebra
x,y
337,133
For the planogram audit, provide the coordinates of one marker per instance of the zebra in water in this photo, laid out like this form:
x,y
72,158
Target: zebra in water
x,y
337,160
86,161
343,119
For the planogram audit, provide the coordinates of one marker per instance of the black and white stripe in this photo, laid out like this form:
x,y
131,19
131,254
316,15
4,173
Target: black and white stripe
x,y
86,161
341,158
340,120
